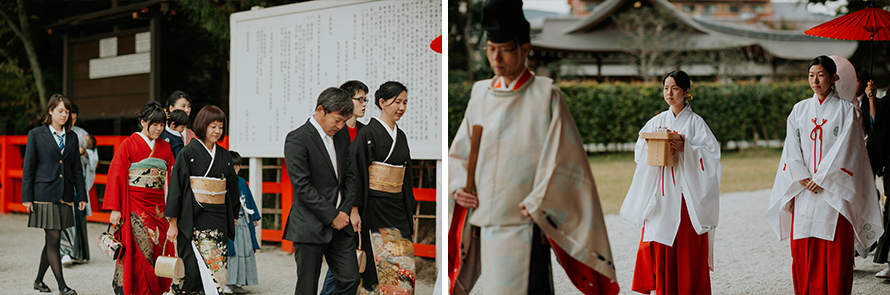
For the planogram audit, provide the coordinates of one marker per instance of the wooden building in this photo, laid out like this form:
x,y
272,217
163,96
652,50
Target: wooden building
x,y
594,47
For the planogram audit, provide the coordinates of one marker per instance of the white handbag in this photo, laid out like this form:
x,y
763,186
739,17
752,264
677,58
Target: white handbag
x,y
360,255
169,266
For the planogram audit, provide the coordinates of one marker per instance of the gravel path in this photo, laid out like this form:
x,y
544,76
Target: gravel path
x,y
20,247
749,259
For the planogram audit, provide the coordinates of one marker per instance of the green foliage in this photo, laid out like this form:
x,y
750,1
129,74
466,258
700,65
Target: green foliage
x,y
213,16
615,112
16,104
458,97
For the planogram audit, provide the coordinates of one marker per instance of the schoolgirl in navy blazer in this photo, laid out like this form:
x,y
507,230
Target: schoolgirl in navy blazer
x,y
48,175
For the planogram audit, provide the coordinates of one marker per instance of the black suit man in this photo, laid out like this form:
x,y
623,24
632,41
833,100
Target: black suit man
x,y
358,90
318,168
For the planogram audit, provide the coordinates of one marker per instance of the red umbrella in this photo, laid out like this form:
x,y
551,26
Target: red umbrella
x,y
869,24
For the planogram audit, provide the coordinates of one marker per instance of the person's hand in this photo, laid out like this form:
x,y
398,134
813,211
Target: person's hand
x,y
356,219
871,90
466,199
810,185
341,221
82,206
236,222
256,223
28,206
82,151
173,230
524,211
115,217
679,144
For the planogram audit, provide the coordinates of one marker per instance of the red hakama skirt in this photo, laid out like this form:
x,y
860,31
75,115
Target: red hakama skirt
x,y
681,269
822,266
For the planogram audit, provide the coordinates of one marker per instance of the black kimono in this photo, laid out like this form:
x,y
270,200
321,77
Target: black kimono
x,y
206,226
377,209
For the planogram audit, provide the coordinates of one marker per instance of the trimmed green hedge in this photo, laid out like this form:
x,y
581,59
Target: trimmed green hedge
x,y
615,112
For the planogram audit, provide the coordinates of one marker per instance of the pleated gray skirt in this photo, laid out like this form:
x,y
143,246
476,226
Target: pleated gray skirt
x,y
51,216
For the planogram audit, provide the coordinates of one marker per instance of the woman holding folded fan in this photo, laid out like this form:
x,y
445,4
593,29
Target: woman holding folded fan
x,y
137,179
201,204
384,197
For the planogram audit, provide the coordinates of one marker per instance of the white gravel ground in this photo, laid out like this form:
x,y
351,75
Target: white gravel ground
x,y
19,255
749,259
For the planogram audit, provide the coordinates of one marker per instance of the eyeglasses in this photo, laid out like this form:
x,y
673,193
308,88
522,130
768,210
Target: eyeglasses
x,y
500,50
361,99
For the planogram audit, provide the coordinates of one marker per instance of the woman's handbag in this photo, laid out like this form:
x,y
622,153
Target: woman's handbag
x,y
169,266
110,245
360,255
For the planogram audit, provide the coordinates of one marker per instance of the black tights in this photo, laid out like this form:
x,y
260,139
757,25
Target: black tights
x,y
51,257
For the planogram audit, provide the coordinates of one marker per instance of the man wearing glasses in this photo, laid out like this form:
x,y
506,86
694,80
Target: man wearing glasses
x,y
533,178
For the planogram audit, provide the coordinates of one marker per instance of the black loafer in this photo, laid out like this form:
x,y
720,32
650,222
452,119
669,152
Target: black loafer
x,y
40,286
67,291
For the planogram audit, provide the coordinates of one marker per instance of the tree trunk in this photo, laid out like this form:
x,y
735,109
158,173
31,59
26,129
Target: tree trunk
x,y
23,31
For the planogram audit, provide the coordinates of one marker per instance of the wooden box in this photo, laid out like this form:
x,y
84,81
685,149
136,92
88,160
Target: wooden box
x,y
660,151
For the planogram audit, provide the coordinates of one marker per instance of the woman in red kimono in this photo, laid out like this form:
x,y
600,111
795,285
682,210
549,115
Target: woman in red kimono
x,y
136,182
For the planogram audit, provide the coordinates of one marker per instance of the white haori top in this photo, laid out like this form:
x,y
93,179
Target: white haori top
x,y
654,198
531,152
823,142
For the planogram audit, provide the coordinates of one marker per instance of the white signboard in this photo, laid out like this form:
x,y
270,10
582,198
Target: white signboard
x,y
284,56
143,42
108,47
130,64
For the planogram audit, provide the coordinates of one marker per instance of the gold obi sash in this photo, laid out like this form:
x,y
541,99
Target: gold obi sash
x,y
386,177
148,173
208,190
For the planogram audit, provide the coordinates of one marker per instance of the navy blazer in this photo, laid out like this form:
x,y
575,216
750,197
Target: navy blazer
x,y
315,186
47,174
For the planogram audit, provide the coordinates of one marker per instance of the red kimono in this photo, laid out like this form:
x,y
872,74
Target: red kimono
x,y
139,195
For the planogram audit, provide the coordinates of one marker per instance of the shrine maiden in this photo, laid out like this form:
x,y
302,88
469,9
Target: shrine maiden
x,y
824,195
678,206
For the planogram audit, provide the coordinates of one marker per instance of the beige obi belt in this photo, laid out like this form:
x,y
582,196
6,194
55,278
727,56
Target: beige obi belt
x,y
208,190
386,177
148,173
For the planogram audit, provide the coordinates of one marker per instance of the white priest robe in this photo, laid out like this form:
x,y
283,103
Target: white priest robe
x,y
654,198
824,142
531,153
